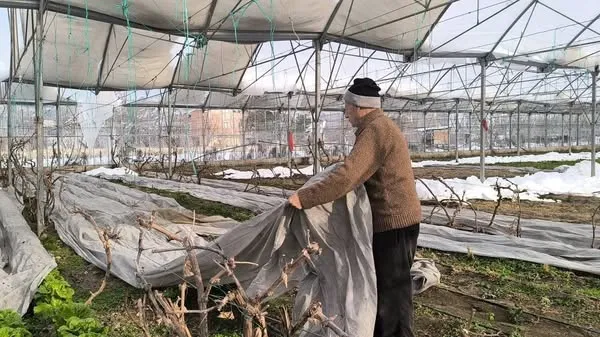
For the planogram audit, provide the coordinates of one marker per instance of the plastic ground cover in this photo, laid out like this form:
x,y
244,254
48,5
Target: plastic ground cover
x,y
24,263
342,278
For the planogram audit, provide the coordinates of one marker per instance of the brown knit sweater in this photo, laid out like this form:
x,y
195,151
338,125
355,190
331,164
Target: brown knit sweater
x,y
381,161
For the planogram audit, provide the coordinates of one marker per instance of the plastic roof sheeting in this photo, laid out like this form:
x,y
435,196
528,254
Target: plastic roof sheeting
x,y
164,14
74,49
138,58
392,24
530,46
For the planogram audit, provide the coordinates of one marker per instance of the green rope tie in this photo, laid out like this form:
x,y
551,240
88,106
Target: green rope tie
x,y
124,6
69,40
236,16
86,39
55,44
188,50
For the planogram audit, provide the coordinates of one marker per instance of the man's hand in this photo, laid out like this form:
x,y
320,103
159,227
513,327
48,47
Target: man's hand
x,y
294,200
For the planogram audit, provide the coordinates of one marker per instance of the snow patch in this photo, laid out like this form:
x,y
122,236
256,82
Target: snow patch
x,y
120,171
574,180
276,172
530,158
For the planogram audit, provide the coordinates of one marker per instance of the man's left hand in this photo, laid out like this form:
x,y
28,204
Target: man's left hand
x,y
294,200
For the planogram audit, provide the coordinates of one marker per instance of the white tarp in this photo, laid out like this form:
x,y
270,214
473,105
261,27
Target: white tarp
x,y
214,183
344,269
559,244
24,263
273,237
251,201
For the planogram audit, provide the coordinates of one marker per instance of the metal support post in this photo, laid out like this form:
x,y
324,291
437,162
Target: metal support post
x,y
279,151
578,129
186,152
481,118
510,115
519,128
546,129
9,106
243,134
562,129
39,118
160,114
9,136
317,113
424,139
448,131
169,134
456,132
287,133
570,127
58,152
491,138
593,121
529,131
205,121
470,130
112,135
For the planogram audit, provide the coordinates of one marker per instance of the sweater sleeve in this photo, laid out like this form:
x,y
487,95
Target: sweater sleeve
x,y
362,162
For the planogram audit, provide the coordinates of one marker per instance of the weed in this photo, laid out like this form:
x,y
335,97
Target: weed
x,y
591,292
516,333
543,165
532,287
545,303
201,206
516,315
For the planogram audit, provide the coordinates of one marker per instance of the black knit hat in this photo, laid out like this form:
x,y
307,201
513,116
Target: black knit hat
x,y
363,93
365,87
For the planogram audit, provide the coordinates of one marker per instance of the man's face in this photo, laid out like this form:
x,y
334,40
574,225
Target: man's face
x,y
352,113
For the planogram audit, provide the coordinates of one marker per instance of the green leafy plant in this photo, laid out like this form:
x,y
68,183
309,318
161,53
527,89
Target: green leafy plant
x,y
60,312
82,327
11,325
10,319
14,332
54,287
70,319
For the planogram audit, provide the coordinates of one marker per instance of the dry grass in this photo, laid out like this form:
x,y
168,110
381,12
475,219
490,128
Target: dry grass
x,y
569,208
462,172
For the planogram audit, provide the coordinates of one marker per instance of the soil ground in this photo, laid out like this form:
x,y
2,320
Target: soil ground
x,y
486,297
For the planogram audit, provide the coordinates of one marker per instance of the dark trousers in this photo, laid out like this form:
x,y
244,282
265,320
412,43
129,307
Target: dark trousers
x,y
394,253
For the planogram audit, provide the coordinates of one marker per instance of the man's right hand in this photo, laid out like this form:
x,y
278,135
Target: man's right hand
x,y
294,200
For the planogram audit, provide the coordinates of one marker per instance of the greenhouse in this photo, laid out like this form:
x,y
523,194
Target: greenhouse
x,y
126,112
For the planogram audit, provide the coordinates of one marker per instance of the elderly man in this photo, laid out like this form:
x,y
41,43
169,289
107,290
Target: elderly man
x,y
380,160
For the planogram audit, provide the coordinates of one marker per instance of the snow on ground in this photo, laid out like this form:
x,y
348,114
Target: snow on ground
x,y
565,179
120,171
574,180
279,171
531,158
284,172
